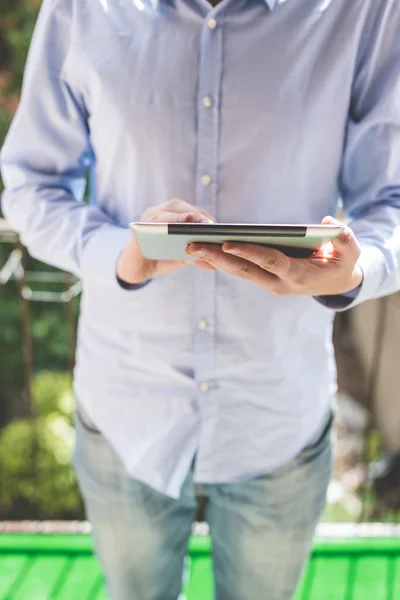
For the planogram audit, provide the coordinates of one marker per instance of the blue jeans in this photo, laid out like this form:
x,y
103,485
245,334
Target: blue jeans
x,y
262,528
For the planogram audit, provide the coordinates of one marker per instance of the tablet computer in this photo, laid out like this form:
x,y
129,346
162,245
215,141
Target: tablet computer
x,y
167,241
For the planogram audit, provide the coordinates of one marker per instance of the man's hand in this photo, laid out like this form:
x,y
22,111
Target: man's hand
x,y
331,270
134,268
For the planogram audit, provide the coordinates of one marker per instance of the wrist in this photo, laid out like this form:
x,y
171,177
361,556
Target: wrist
x,y
127,271
357,278
132,286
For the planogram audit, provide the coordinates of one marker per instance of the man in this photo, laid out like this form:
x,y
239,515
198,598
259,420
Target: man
x,y
217,378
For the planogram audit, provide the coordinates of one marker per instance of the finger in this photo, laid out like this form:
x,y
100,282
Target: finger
x,y
234,265
176,205
166,266
269,259
202,265
207,214
174,217
346,242
325,254
181,206
172,206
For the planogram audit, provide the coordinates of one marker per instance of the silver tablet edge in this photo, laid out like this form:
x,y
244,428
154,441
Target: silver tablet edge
x,y
317,230
160,228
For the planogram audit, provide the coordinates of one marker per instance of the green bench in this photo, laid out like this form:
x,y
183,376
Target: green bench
x,y
45,566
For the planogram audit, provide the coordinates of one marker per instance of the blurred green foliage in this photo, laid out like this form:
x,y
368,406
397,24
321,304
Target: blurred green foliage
x,y
35,455
4,124
48,322
36,477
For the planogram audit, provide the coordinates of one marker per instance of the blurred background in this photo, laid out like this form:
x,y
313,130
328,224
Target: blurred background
x,y
39,307
38,310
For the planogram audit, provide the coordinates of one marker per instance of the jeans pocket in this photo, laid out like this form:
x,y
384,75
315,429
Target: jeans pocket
x,y
317,445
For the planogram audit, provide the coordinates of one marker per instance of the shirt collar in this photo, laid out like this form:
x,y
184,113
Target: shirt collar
x,y
271,3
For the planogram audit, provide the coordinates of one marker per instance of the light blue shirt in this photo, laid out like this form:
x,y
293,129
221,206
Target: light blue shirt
x,y
286,107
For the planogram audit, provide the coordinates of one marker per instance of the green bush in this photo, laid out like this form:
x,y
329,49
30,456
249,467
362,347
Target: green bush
x,y
35,453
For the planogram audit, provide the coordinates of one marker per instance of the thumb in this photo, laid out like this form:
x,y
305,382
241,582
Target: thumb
x,y
346,242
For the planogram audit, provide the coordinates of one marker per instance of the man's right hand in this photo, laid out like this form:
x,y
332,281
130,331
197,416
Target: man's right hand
x,y
134,268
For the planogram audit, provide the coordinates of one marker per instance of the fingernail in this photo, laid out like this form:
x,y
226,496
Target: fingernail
x,y
232,250
198,253
206,221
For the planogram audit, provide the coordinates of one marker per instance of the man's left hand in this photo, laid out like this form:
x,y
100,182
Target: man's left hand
x,y
332,270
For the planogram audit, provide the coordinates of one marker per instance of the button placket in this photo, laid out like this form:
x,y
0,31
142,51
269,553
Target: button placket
x,y
207,102
204,386
205,179
209,81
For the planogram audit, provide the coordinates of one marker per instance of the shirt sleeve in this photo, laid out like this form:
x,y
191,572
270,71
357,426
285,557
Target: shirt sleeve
x,y
45,161
370,173
132,286
339,302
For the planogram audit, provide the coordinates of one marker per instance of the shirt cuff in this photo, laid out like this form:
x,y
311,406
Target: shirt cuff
x,y
101,253
339,301
371,264
132,286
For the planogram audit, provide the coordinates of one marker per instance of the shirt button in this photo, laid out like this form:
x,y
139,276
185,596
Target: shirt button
x,y
205,179
207,102
203,324
211,23
204,386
